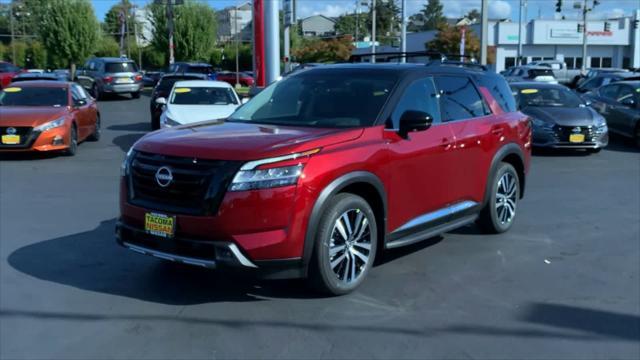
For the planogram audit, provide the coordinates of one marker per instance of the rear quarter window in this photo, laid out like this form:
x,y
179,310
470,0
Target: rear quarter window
x,y
500,91
116,67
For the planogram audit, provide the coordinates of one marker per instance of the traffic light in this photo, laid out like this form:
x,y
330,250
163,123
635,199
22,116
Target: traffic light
x,y
580,28
559,6
607,26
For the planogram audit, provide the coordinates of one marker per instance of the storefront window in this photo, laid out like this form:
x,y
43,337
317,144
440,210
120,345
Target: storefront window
x,y
509,62
606,62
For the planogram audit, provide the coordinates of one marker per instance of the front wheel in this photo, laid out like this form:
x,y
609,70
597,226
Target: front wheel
x,y
500,211
97,131
345,245
73,142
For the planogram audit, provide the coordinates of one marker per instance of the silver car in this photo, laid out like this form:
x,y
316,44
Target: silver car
x,y
111,76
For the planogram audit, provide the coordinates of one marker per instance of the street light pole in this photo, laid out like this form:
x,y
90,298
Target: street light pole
x,y
403,31
357,20
373,32
523,3
485,30
237,47
585,10
170,29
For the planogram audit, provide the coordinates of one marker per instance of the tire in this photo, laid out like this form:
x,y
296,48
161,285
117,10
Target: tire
x,y
135,95
97,132
95,92
73,142
348,230
498,215
155,122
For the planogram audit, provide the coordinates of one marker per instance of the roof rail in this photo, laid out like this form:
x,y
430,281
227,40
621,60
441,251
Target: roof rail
x,y
437,58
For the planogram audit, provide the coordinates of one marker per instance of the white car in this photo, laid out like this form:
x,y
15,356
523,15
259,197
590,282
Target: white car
x,y
198,100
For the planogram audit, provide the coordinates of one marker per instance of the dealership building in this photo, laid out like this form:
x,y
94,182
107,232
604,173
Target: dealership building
x,y
611,43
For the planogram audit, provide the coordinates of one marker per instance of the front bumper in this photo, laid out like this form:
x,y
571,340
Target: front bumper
x,y
558,139
56,139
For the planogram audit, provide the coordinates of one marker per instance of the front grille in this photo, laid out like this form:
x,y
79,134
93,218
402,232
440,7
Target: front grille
x,y
197,188
562,133
27,136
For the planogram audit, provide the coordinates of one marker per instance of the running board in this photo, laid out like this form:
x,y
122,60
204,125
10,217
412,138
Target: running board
x,y
429,233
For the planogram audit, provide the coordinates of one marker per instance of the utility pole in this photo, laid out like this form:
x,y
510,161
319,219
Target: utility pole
x,y
170,29
585,10
13,40
121,20
289,15
403,31
135,34
272,40
127,13
373,32
235,15
357,21
523,5
485,32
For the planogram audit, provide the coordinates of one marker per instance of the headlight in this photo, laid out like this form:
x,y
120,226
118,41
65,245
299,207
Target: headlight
x,y
601,122
169,122
50,125
542,124
266,179
126,163
250,178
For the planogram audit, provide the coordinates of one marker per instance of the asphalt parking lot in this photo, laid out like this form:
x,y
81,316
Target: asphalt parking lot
x,y
563,283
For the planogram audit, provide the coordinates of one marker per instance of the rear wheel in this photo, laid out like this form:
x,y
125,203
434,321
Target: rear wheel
x,y
97,132
73,142
345,246
95,92
500,211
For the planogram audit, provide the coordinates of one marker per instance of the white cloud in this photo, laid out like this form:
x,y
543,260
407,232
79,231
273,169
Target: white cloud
x,y
330,8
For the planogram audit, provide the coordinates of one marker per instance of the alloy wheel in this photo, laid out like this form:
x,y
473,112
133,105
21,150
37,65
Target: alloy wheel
x,y
506,198
350,245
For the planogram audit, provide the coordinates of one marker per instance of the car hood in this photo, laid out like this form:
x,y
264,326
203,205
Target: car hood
x,y
188,114
29,115
221,140
582,116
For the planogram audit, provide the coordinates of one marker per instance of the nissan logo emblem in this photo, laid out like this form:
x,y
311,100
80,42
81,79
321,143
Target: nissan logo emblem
x,y
11,131
164,177
576,130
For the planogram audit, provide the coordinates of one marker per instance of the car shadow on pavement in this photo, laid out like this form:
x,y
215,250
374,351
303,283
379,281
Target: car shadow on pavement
x,y
20,156
559,152
141,126
124,142
93,261
621,144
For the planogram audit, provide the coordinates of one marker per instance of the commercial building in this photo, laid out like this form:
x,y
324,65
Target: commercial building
x,y
233,20
318,25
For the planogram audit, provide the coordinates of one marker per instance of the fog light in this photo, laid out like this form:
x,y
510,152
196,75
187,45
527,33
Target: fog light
x,y
58,140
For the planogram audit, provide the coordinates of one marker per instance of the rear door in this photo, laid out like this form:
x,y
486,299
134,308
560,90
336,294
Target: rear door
x,y
476,135
603,101
421,165
83,112
623,117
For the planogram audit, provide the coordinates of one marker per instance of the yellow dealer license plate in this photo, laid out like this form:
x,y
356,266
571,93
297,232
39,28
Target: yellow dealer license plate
x,y
576,138
11,139
159,224
124,80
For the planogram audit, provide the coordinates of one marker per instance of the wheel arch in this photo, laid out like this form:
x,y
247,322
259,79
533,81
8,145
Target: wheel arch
x,y
513,155
362,183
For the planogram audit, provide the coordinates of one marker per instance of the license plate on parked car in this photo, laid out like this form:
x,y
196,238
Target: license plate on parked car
x,y
576,138
11,139
124,80
159,224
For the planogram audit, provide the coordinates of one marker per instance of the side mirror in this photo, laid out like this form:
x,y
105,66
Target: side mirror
x,y
79,103
412,120
629,102
161,101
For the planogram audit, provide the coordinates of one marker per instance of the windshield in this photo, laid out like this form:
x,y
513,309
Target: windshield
x,y
203,96
547,97
326,99
34,96
120,67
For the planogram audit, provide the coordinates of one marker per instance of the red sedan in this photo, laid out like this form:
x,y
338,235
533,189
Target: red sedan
x,y
231,78
47,116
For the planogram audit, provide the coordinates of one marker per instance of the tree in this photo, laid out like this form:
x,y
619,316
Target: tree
x,y
387,21
324,50
448,39
432,15
69,30
107,47
36,55
21,53
194,34
346,25
474,15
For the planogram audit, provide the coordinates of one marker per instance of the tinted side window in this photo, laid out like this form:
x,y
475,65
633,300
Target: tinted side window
x,y
609,92
459,99
626,92
499,89
420,95
593,83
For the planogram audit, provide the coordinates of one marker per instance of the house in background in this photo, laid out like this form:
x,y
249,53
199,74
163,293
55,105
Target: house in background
x,y
233,20
318,25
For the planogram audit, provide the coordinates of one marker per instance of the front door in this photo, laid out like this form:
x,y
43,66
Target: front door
x,y
420,165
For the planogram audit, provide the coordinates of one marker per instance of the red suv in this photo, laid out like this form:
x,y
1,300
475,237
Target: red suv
x,y
328,167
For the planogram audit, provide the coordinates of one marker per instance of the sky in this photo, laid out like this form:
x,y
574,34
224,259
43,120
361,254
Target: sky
x,y
452,8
